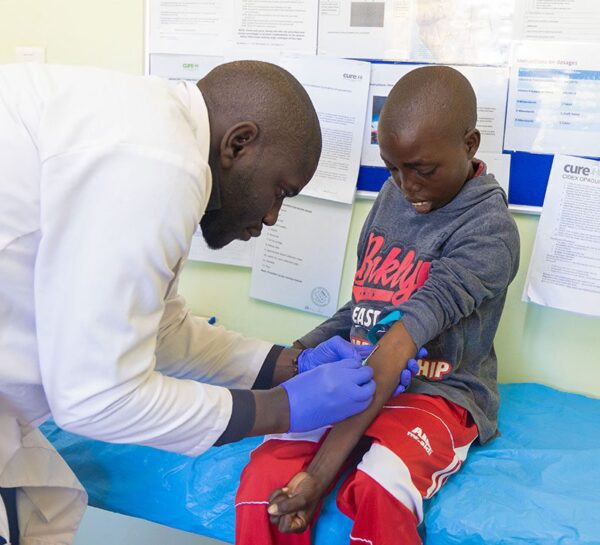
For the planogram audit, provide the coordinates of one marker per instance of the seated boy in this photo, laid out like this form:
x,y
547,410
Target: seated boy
x,y
440,247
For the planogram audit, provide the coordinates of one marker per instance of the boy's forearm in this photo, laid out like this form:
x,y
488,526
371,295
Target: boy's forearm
x,y
395,349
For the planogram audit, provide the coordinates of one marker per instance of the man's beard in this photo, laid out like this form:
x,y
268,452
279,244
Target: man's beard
x,y
215,230
212,230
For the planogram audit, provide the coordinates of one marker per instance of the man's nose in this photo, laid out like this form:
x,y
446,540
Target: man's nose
x,y
272,215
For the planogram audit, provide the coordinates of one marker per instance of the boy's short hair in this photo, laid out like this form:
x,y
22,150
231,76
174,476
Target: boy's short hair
x,y
438,94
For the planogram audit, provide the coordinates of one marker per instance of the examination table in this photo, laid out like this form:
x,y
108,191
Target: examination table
x,y
538,483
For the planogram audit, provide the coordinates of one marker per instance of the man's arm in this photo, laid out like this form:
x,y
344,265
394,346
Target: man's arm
x,y
110,243
189,347
300,501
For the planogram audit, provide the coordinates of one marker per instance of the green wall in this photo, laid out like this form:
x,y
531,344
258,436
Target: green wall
x,y
534,343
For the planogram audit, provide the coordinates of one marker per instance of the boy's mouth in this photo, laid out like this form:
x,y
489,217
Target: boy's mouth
x,y
422,207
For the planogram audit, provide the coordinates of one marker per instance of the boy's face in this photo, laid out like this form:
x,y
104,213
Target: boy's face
x,y
428,165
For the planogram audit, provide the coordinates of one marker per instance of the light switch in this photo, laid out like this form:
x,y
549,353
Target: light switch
x,y
30,54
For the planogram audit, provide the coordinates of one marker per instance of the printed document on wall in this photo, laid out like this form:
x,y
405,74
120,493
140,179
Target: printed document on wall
x,y
275,25
178,67
188,26
238,252
365,30
443,31
557,20
553,104
338,89
298,262
462,31
564,271
490,84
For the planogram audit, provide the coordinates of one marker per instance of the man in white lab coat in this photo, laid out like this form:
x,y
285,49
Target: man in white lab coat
x,y
104,178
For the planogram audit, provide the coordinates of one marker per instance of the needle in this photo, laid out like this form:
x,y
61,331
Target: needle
x,y
366,360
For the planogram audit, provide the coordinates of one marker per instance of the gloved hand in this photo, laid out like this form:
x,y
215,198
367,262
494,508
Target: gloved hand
x,y
328,394
412,367
331,350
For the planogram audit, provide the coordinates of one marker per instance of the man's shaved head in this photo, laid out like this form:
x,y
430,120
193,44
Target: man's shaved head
x,y
427,135
432,94
271,97
265,144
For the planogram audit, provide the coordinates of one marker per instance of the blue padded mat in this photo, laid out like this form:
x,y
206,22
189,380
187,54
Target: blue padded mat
x,y
538,483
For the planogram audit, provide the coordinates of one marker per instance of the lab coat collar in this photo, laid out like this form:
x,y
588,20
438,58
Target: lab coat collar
x,y
199,116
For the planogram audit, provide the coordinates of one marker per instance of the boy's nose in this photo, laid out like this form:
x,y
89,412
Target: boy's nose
x,y
409,183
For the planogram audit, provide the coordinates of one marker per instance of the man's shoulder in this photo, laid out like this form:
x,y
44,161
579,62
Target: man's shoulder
x,y
94,108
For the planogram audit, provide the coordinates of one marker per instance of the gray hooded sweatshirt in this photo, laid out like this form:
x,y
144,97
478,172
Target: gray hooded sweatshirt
x,y
447,271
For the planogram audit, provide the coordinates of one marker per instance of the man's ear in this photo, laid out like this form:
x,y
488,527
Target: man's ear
x,y
472,141
236,140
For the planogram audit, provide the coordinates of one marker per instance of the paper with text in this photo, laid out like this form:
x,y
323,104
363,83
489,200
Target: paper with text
x,y
182,67
298,262
442,31
564,271
286,25
188,26
557,20
553,104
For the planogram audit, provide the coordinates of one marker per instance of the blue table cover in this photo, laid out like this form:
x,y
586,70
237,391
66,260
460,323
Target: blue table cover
x,y
538,483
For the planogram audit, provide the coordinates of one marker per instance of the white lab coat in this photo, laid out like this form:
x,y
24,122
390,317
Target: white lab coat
x,y
103,180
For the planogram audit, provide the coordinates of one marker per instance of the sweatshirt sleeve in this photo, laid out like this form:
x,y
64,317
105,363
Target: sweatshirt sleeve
x,y
473,268
115,225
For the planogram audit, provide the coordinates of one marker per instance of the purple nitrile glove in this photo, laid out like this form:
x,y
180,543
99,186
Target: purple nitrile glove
x,y
331,350
328,394
412,367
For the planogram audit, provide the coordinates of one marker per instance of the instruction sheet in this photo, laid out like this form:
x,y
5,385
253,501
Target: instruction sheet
x,y
298,262
553,104
564,271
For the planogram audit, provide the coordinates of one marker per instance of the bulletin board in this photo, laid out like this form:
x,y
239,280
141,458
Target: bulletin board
x,y
549,50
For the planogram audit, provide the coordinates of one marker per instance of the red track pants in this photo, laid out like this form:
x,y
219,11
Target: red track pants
x,y
418,442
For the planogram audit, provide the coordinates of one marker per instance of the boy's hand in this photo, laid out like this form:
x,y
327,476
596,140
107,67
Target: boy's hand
x,y
412,368
292,508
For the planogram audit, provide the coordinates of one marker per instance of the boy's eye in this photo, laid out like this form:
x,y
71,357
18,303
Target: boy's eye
x,y
426,172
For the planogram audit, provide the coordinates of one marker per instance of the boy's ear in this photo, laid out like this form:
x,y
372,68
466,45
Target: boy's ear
x,y
472,141
236,141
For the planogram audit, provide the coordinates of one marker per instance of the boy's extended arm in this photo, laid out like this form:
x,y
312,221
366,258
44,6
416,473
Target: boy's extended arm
x,y
298,501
